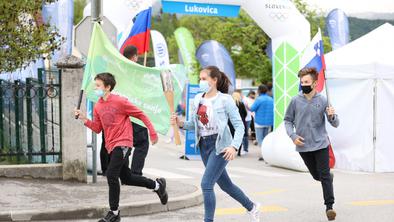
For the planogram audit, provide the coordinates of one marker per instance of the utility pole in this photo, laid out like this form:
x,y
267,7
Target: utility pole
x,y
97,10
97,15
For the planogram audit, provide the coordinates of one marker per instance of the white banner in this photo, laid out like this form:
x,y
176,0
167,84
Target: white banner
x,y
290,34
278,18
160,49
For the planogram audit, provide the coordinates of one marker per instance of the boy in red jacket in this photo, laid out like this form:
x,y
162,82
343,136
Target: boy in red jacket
x,y
111,114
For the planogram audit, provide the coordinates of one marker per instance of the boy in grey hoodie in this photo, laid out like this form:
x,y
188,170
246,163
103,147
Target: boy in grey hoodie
x,y
306,114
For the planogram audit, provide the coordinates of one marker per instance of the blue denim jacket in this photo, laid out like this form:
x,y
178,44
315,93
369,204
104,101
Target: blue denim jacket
x,y
225,109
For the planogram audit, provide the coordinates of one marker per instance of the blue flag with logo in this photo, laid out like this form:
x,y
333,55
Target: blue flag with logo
x,y
212,53
338,28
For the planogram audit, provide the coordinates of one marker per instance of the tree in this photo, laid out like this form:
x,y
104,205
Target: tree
x,y
79,5
24,36
250,42
241,34
316,19
250,62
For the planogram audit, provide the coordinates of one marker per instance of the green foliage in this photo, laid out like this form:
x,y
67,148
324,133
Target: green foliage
x,y
316,19
24,36
359,27
241,36
250,62
79,5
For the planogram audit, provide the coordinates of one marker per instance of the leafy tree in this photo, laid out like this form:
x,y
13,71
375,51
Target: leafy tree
x,y
316,19
241,36
250,60
24,36
79,5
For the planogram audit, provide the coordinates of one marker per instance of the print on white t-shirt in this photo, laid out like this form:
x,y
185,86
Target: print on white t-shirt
x,y
207,123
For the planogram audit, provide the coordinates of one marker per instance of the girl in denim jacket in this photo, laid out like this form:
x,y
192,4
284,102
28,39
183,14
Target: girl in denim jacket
x,y
211,111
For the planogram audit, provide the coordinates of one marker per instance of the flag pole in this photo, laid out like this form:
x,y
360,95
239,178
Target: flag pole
x,y
326,88
145,58
147,42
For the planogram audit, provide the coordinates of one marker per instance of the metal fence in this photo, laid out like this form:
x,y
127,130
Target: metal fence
x,y
30,119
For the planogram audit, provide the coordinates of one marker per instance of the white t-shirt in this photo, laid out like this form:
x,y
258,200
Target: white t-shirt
x,y
248,103
207,123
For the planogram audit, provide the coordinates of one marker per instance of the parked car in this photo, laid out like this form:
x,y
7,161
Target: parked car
x,y
246,90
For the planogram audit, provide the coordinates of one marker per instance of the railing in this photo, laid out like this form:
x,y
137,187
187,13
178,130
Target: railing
x,y
30,119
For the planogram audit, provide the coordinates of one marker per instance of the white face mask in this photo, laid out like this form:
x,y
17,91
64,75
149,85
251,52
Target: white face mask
x,y
204,86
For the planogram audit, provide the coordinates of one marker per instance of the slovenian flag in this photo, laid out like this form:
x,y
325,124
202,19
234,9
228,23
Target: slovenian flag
x,y
313,57
139,33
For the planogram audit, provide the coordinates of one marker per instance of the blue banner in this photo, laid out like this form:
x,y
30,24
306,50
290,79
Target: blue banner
x,y
337,25
200,8
191,151
212,53
268,50
60,14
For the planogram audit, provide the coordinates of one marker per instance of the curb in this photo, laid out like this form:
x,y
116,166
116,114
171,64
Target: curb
x,y
92,212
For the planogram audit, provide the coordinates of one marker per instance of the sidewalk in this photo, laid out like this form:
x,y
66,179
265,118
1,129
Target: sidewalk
x,y
25,199
30,199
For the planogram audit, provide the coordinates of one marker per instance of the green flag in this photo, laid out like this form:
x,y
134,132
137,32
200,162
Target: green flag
x,y
187,48
139,84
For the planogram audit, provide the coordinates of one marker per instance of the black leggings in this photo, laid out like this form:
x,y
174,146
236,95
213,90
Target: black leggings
x,y
118,167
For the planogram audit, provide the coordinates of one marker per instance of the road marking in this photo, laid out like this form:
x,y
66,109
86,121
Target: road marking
x,y
372,203
273,191
238,211
256,172
164,173
200,171
351,172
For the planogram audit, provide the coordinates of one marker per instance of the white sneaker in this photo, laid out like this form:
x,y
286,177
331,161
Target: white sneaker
x,y
255,213
243,152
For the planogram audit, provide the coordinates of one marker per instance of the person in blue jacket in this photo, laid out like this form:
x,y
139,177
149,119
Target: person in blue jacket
x,y
263,107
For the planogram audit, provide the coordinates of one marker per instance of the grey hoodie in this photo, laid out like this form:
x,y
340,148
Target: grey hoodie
x,y
308,119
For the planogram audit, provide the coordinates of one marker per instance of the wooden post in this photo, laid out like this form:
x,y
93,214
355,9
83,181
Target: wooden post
x,y
146,53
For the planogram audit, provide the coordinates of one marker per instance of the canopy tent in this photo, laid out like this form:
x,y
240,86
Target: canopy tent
x,y
360,79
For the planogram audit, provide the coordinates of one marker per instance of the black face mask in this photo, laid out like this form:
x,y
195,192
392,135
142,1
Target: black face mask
x,y
306,89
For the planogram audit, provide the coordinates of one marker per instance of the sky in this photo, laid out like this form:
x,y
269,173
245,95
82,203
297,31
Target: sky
x,y
355,6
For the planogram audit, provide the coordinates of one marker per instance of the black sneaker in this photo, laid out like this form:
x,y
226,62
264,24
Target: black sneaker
x,y
162,192
111,217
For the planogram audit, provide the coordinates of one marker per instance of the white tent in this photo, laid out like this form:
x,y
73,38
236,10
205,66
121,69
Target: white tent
x,y
360,79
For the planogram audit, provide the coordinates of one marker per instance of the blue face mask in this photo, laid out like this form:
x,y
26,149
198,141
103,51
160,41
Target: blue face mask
x,y
99,92
204,86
